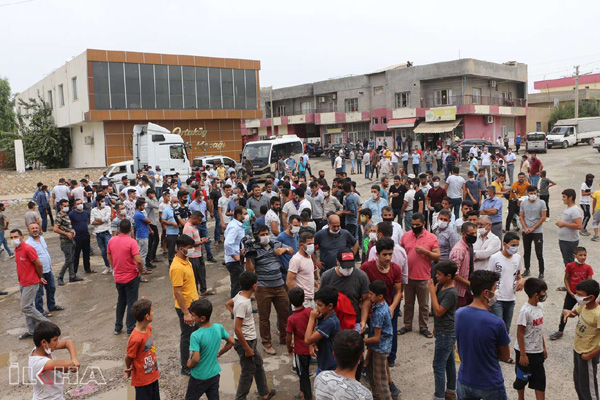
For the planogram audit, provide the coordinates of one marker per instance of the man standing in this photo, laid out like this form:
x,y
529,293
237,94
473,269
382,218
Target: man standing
x,y
492,207
272,218
533,215
61,192
63,227
330,242
44,209
569,226
375,204
142,233
350,211
233,248
447,237
4,222
172,231
536,168
301,270
80,219
100,218
289,237
195,254
318,200
32,216
486,163
30,274
462,255
487,243
39,244
455,187
199,204
152,212
257,200
518,190
367,161
510,164
422,248
397,192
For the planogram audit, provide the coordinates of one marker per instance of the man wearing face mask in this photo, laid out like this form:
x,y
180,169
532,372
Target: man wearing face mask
x,y
487,243
407,207
172,231
318,199
507,263
80,219
30,272
271,285
100,217
330,242
375,204
301,270
330,203
396,195
233,248
63,227
447,237
422,248
533,215
462,255
480,375
289,237
350,211
492,207
387,214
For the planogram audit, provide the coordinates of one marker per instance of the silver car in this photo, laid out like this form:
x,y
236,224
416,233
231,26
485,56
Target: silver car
x,y
536,141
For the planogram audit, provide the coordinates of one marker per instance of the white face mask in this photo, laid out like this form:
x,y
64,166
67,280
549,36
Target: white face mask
x,y
264,240
326,194
79,207
65,209
442,225
184,251
491,300
310,249
295,229
374,196
333,232
581,300
16,242
373,236
482,231
472,179
246,218
532,197
579,262
346,271
436,184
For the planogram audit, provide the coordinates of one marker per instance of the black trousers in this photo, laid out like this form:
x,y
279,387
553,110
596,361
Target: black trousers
x,y
318,223
546,198
171,242
148,392
538,240
197,387
303,364
586,214
569,303
199,272
235,270
82,244
513,211
184,340
567,250
152,243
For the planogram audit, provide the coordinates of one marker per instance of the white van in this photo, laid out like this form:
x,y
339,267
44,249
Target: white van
x,y
115,172
536,141
265,153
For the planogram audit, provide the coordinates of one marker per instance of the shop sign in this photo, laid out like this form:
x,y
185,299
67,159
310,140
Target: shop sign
x,y
200,132
440,114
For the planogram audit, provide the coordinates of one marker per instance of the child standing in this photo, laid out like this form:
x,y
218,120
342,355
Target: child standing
x,y
529,366
444,298
545,184
379,341
140,361
327,326
296,328
41,358
575,272
586,350
204,352
245,340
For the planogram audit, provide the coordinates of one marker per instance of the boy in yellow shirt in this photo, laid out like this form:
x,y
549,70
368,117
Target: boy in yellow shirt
x,y
596,215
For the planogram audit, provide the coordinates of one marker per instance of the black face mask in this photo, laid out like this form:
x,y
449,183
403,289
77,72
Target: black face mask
x,y
321,176
389,219
417,229
471,239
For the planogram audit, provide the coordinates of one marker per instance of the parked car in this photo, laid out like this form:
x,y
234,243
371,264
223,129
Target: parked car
x,y
314,150
336,148
206,163
463,146
536,141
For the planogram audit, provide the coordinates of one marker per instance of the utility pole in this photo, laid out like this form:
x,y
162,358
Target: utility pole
x,y
272,112
577,91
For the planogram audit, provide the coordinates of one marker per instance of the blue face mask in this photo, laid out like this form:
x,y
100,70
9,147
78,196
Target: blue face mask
x,y
513,249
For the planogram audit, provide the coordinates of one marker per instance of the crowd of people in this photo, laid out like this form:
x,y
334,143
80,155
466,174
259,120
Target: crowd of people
x,y
335,268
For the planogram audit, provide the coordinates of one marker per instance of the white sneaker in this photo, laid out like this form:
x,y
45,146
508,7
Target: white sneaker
x,y
106,271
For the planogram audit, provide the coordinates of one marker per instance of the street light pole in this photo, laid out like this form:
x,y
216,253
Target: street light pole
x,y
577,91
272,122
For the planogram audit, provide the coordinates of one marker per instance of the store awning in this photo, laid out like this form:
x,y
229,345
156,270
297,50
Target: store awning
x,y
437,127
401,123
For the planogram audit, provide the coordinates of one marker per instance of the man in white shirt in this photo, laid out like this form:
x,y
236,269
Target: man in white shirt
x,y
338,164
510,159
78,192
395,159
100,219
407,207
474,150
367,162
455,187
487,243
222,206
486,163
272,217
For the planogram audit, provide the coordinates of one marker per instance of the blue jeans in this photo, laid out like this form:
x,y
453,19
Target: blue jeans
x,y
353,163
204,233
465,392
408,220
44,216
392,356
359,166
102,239
127,295
456,206
429,166
5,243
534,180
504,310
217,227
367,171
443,364
511,172
50,290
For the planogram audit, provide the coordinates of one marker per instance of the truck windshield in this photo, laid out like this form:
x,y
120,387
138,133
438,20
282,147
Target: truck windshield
x,y
258,153
109,170
560,130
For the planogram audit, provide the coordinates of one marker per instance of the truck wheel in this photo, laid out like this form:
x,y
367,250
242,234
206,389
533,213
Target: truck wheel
x,y
565,144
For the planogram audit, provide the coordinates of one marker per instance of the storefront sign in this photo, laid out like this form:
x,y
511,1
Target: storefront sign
x,y
189,132
440,114
202,145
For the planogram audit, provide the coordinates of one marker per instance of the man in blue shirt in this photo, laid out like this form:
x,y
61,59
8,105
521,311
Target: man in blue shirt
x,y
289,237
172,231
41,199
142,233
80,219
291,163
375,204
480,375
350,209
492,206
234,233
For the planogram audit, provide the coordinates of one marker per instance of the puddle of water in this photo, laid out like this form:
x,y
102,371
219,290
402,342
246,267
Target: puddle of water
x,y
230,376
107,364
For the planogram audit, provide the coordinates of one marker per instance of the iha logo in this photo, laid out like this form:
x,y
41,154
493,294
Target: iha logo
x,y
26,376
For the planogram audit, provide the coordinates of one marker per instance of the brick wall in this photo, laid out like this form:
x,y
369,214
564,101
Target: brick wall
x,y
13,183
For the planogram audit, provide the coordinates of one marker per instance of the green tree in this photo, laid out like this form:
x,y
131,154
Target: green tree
x,y
42,141
587,108
7,111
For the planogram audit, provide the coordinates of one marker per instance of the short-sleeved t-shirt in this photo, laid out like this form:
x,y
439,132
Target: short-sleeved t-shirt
x,y
508,269
25,255
304,269
353,286
419,197
53,391
123,248
587,332
473,187
536,166
419,265
79,220
544,184
328,328
296,325
569,215
182,274
397,201
329,245
436,195
596,196
392,277
532,318
142,350
287,240
192,231
141,228
455,184
242,308
479,366
447,298
577,273
532,211
331,386
585,199
31,217
207,342
381,318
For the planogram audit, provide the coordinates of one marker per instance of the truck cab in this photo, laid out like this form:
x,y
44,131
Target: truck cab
x,y
154,145
562,136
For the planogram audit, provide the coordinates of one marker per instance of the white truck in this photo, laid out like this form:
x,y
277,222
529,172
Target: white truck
x,y
571,132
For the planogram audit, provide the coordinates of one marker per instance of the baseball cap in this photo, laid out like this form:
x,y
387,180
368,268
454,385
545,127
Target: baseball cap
x,y
345,257
411,176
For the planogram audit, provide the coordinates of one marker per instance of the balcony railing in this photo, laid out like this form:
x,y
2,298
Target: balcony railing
x,y
324,108
469,99
288,113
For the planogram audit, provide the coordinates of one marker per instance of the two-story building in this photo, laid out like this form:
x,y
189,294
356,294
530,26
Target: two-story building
x,y
100,95
418,104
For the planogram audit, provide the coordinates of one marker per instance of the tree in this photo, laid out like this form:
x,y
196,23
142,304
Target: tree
x,y
7,112
587,108
43,142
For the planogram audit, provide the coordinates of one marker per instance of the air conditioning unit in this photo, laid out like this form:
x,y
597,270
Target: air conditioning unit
x,y
322,99
489,119
254,131
334,96
492,84
88,140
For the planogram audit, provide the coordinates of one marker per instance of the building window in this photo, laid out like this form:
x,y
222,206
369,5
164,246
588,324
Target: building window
x,y
117,86
132,85
476,96
50,103
161,77
227,87
175,87
61,96
147,84
507,99
375,120
538,126
101,86
214,79
443,97
306,107
383,120
280,111
189,87
351,105
377,90
403,100
74,86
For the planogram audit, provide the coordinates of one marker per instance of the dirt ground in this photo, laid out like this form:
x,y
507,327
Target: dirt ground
x,y
90,312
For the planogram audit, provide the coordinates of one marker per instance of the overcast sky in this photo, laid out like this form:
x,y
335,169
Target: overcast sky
x,y
304,41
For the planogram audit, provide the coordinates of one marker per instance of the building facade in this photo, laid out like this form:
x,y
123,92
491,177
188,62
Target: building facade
x,y
100,95
417,104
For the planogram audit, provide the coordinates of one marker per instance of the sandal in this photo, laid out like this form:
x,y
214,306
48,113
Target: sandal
x,y
270,395
208,292
269,350
425,332
403,330
561,289
510,361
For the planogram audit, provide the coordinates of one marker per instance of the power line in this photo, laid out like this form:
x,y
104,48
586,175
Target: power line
x,y
564,60
16,3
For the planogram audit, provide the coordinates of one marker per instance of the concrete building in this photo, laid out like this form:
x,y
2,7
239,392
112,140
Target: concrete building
x,y
553,93
99,95
462,98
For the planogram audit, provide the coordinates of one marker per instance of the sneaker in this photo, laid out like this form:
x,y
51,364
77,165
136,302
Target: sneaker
x,y
186,371
391,364
526,273
116,332
596,238
12,255
541,276
75,279
394,391
450,396
584,232
25,335
61,282
556,335
106,271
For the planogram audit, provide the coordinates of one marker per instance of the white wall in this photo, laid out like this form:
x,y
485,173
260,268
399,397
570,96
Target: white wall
x,y
86,155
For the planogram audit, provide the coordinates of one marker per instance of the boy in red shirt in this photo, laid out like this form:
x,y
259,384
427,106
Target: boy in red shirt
x,y
296,328
575,272
140,361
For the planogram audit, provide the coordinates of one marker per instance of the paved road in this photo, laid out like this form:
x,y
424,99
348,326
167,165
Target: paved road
x,y
89,317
